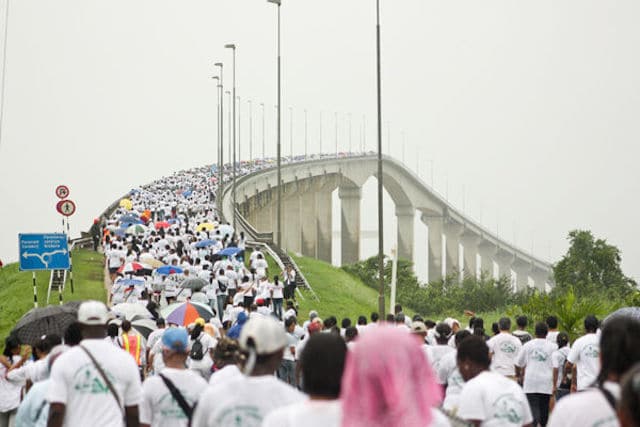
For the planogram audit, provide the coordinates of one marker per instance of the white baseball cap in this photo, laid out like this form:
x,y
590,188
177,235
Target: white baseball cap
x,y
264,334
93,313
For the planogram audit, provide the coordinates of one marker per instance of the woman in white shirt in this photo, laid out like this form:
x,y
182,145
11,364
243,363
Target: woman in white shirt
x,y
9,391
276,290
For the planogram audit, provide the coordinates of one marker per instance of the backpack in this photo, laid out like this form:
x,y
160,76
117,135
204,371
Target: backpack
x,y
197,350
222,287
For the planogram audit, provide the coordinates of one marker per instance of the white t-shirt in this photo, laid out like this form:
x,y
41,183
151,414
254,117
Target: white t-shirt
x,y
495,400
159,408
311,413
9,391
244,401
505,348
76,383
553,336
589,408
227,373
435,353
585,354
115,258
558,360
277,289
292,341
449,374
536,356
33,371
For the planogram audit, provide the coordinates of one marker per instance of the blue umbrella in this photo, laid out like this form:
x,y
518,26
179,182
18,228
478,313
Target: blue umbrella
x,y
172,220
130,282
230,251
205,243
169,269
120,232
187,193
130,219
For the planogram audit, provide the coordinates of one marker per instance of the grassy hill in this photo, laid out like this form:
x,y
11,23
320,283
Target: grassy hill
x,y
16,288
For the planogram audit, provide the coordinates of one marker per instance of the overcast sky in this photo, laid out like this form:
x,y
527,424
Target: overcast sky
x,y
528,110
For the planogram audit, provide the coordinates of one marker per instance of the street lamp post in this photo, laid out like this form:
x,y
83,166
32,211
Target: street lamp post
x,y
217,79
278,150
221,158
229,123
233,48
263,152
320,134
380,218
336,117
305,134
291,134
250,131
239,124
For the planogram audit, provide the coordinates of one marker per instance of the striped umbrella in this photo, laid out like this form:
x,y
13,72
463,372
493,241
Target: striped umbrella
x,y
185,313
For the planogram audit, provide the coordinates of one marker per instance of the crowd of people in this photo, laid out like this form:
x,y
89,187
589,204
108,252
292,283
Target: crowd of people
x,y
248,358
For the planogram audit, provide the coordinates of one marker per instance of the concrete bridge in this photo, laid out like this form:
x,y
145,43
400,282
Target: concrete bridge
x,y
307,188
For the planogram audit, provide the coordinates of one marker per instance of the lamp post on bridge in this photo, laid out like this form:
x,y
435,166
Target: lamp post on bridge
x,y
263,153
233,48
380,211
250,131
305,134
221,158
278,153
219,120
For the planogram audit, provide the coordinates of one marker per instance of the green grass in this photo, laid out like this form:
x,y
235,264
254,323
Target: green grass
x,y
16,288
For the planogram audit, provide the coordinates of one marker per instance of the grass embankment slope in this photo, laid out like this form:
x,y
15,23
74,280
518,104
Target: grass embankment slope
x,y
16,288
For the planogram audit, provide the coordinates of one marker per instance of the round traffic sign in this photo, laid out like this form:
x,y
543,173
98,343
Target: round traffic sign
x,y
62,191
66,207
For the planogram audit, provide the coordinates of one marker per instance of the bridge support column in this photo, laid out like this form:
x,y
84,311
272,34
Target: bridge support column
x,y
405,216
453,231
350,198
522,269
308,226
540,278
323,225
291,229
434,224
504,260
470,243
487,253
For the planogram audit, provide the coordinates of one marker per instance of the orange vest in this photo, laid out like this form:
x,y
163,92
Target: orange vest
x,y
132,346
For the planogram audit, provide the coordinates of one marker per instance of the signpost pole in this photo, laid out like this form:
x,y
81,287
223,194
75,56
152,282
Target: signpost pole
x,y
35,290
70,260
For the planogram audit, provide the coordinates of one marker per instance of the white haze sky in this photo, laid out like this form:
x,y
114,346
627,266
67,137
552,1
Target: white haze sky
x,y
528,109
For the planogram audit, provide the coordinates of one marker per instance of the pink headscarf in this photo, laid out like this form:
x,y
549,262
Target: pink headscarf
x,y
388,382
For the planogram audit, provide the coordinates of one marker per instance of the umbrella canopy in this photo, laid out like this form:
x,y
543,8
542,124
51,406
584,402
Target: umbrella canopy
x,y
225,229
231,251
130,311
205,243
162,224
186,313
143,326
151,262
136,229
132,267
126,203
194,283
169,269
129,282
205,226
53,319
129,219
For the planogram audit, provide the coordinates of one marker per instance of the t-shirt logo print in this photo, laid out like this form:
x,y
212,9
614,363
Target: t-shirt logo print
x,y
88,380
539,355
508,408
508,347
591,350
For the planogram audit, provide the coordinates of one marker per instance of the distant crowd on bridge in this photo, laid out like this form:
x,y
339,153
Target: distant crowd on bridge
x,y
200,330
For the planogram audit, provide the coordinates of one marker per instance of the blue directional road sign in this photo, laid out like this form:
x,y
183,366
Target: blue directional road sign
x,y
43,252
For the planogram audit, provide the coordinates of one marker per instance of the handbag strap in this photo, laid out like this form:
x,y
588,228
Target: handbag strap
x,y
609,397
109,384
188,410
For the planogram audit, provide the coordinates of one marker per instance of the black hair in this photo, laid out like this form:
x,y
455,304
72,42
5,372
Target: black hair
x,y
629,404
400,318
495,328
322,365
351,333
160,322
362,320
73,334
429,323
472,319
112,330
504,324
619,344
522,321
591,323
552,322
474,349
374,317
197,330
461,335
417,318
289,321
10,343
346,322
562,339
398,308
443,332
541,330
391,317
126,326
330,322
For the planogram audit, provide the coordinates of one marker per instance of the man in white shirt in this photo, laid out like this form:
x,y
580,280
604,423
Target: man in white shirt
x,y
503,349
248,399
159,407
584,356
322,367
535,357
79,393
